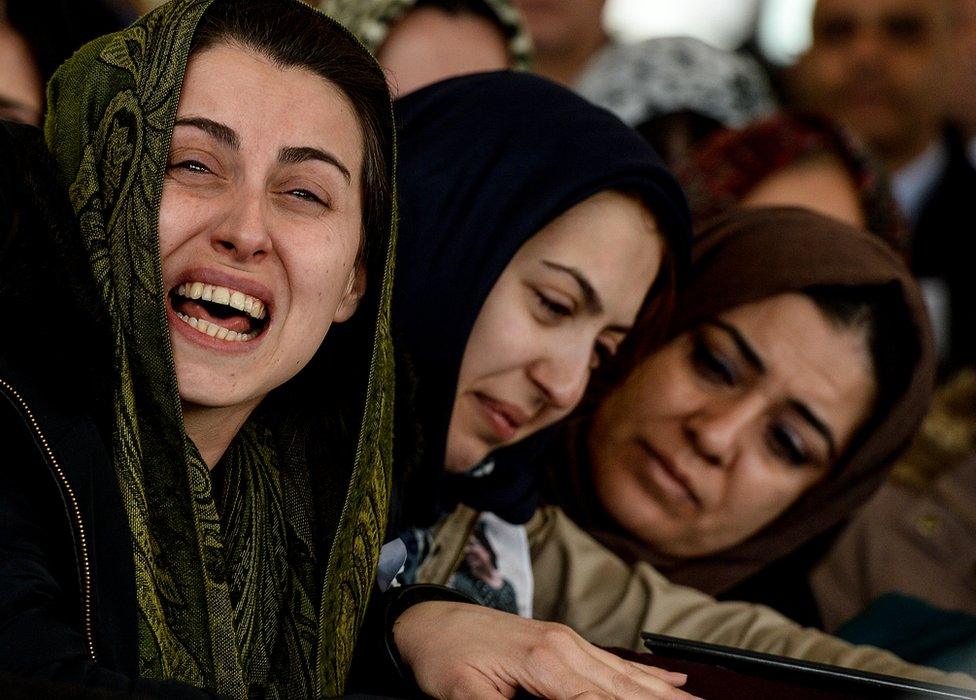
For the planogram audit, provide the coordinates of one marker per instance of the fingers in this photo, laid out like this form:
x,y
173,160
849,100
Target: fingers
x,y
633,685
624,680
675,678
477,686
546,659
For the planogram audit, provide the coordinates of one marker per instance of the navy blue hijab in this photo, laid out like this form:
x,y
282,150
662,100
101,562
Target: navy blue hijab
x,y
486,161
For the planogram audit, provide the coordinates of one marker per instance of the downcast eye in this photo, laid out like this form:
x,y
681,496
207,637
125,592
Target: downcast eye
x,y
710,365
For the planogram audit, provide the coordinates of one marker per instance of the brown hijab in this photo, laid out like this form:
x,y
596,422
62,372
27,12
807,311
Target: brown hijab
x,y
743,257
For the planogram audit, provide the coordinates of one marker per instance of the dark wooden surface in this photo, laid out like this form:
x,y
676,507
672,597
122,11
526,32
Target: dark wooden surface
x,y
718,683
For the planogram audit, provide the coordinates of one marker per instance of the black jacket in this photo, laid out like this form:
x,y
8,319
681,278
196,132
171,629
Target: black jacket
x,y
942,235
67,581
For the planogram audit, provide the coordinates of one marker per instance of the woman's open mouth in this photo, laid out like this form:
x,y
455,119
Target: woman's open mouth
x,y
220,312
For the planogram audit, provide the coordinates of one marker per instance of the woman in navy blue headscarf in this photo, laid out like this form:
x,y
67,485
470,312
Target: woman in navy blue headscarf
x,y
536,230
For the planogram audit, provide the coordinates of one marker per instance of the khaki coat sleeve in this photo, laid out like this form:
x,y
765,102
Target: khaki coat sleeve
x,y
580,583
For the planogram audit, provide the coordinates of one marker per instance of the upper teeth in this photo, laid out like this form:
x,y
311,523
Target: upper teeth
x,y
222,295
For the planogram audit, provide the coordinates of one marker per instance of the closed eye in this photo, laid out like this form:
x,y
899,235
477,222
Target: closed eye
x,y
710,365
787,445
552,307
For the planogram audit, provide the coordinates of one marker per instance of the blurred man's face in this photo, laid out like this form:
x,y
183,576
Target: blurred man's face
x,y
557,25
20,81
878,66
962,96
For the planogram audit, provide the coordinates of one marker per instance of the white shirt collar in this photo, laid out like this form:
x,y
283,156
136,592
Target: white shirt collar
x,y
912,183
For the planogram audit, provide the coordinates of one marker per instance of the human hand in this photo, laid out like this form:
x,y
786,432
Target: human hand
x,y
458,650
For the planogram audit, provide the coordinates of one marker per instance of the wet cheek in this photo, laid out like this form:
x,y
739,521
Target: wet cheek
x,y
180,219
506,341
170,227
767,497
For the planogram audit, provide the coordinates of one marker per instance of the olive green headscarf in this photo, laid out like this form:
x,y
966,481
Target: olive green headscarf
x,y
232,594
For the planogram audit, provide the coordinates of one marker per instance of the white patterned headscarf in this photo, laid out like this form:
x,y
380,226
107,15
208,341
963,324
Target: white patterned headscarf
x,y
662,76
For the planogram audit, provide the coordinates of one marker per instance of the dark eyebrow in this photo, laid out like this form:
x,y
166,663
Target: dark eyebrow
x,y
590,298
752,357
221,132
298,154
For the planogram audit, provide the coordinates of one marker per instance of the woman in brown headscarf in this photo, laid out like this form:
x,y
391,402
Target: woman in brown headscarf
x,y
799,366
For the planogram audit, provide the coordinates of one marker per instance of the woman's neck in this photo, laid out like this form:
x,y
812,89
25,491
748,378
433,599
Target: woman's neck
x,y
213,428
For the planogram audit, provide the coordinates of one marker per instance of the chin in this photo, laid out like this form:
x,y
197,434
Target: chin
x,y
466,456
206,388
203,398
627,502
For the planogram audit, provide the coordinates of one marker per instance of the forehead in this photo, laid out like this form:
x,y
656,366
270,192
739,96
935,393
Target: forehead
x,y
606,231
560,6
579,231
270,104
432,19
611,238
809,359
877,10
822,184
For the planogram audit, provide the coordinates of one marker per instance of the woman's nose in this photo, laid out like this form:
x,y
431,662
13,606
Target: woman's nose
x,y
562,377
245,236
717,429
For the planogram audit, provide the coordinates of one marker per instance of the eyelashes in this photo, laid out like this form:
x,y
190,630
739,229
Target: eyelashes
x,y
553,312
785,443
307,196
552,307
190,166
193,168
710,365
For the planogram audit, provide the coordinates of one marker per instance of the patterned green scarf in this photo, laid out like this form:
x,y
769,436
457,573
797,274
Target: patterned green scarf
x,y
233,602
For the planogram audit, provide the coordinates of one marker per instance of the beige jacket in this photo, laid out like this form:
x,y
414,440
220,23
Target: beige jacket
x,y
917,535
580,583
921,544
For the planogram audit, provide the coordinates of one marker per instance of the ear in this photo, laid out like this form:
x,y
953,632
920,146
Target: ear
x,y
355,289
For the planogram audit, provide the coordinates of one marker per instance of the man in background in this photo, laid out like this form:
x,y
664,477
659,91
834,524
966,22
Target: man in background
x,y
882,68
962,95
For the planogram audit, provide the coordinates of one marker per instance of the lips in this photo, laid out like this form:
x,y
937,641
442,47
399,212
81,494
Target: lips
x,y
668,477
504,418
217,310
